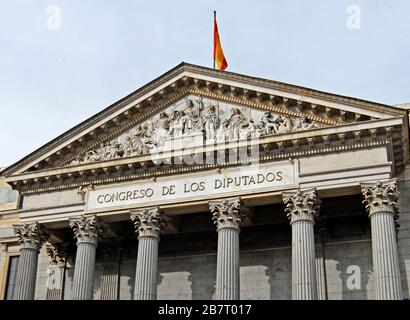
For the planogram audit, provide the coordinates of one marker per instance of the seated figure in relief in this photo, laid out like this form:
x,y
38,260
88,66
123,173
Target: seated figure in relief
x,y
303,123
113,148
94,155
236,122
285,125
271,122
260,129
191,115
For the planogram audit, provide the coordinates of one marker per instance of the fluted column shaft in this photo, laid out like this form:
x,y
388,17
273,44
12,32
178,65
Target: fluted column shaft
x,y
303,261
227,269
227,216
84,271
86,231
148,224
302,208
146,272
31,238
26,274
381,204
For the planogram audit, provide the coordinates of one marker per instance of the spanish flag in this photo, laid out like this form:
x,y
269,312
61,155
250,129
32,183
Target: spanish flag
x,y
219,57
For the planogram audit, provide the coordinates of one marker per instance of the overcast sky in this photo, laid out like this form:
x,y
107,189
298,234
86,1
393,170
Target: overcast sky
x,y
53,76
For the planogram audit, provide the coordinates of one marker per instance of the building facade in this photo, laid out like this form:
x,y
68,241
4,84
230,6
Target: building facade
x,y
206,184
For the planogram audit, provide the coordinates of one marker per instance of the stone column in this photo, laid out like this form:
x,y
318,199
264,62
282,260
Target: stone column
x,y
87,231
31,238
148,223
381,199
227,216
302,207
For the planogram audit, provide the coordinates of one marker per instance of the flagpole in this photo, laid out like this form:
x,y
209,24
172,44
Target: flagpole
x,y
213,53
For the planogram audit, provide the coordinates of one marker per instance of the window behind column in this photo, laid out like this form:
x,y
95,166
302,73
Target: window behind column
x,y
11,276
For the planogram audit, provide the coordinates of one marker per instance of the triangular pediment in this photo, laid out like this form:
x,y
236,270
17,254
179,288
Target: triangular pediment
x,y
225,106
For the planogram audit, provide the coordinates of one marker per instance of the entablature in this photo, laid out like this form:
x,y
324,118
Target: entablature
x,y
368,134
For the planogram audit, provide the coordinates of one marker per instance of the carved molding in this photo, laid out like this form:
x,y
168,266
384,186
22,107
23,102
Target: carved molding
x,y
82,190
381,196
227,213
31,236
91,175
148,222
301,205
87,229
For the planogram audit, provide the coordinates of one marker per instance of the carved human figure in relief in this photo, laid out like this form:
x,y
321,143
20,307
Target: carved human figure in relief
x,y
271,122
135,138
176,128
146,138
191,115
162,128
236,122
96,155
252,130
126,146
210,120
244,130
114,150
224,132
304,123
285,125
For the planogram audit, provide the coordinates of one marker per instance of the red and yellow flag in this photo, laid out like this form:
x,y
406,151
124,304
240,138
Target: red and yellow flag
x,y
219,58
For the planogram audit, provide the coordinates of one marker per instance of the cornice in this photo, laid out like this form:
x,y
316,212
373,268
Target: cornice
x,y
305,91
137,172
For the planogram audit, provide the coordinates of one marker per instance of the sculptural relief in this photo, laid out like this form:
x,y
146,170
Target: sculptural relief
x,y
211,121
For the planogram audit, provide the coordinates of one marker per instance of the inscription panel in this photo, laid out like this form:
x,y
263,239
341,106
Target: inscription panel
x,y
243,180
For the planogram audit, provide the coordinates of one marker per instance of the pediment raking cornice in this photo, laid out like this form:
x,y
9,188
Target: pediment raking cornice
x,y
188,79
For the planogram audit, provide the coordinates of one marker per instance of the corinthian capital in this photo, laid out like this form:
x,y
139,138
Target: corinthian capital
x,y
301,205
227,213
31,236
57,252
381,196
86,229
148,222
